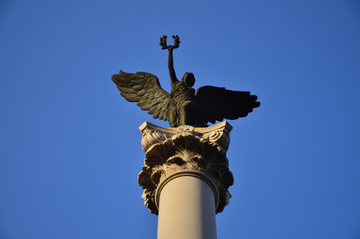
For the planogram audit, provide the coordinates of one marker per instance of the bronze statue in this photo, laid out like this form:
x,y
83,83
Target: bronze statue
x,y
182,106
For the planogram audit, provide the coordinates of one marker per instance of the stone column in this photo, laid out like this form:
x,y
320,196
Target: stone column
x,y
186,178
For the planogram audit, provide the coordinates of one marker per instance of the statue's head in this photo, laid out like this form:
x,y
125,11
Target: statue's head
x,y
188,79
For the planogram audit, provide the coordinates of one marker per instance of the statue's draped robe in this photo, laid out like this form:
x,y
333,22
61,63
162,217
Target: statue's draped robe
x,y
182,106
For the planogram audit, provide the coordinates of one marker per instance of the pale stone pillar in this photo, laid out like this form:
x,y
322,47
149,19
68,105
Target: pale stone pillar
x,y
186,178
187,207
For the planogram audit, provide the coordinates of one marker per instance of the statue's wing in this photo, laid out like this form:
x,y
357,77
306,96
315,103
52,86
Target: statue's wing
x,y
216,103
143,88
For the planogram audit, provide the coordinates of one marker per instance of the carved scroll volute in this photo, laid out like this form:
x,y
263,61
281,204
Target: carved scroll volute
x,y
150,137
170,150
219,137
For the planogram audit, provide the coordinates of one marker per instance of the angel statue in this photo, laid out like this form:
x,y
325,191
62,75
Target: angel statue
x,y
182,106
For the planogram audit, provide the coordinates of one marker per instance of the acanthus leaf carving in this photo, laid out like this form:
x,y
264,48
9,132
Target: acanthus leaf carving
x,y
170,150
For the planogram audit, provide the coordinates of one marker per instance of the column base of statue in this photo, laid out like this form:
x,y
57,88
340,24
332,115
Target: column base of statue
x,y
186,178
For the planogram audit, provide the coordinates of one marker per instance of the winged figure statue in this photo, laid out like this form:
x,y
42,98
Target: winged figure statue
x,y
182,106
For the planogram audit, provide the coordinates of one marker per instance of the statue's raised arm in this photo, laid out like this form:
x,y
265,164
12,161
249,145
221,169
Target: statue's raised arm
x,y
170,48
182,106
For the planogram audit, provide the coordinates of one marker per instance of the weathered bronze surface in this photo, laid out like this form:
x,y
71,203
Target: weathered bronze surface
x,y
182,106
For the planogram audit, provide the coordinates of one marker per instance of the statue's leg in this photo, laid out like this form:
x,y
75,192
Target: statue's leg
x,y
172,117
183,115
186,113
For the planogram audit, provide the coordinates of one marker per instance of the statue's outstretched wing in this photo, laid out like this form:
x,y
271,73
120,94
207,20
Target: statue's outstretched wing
x,y
143,88
216,103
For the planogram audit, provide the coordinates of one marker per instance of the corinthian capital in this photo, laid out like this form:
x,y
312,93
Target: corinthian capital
x,y
186,148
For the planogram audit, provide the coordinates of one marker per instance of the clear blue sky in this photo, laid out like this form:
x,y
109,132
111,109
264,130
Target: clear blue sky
x,y
70,147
